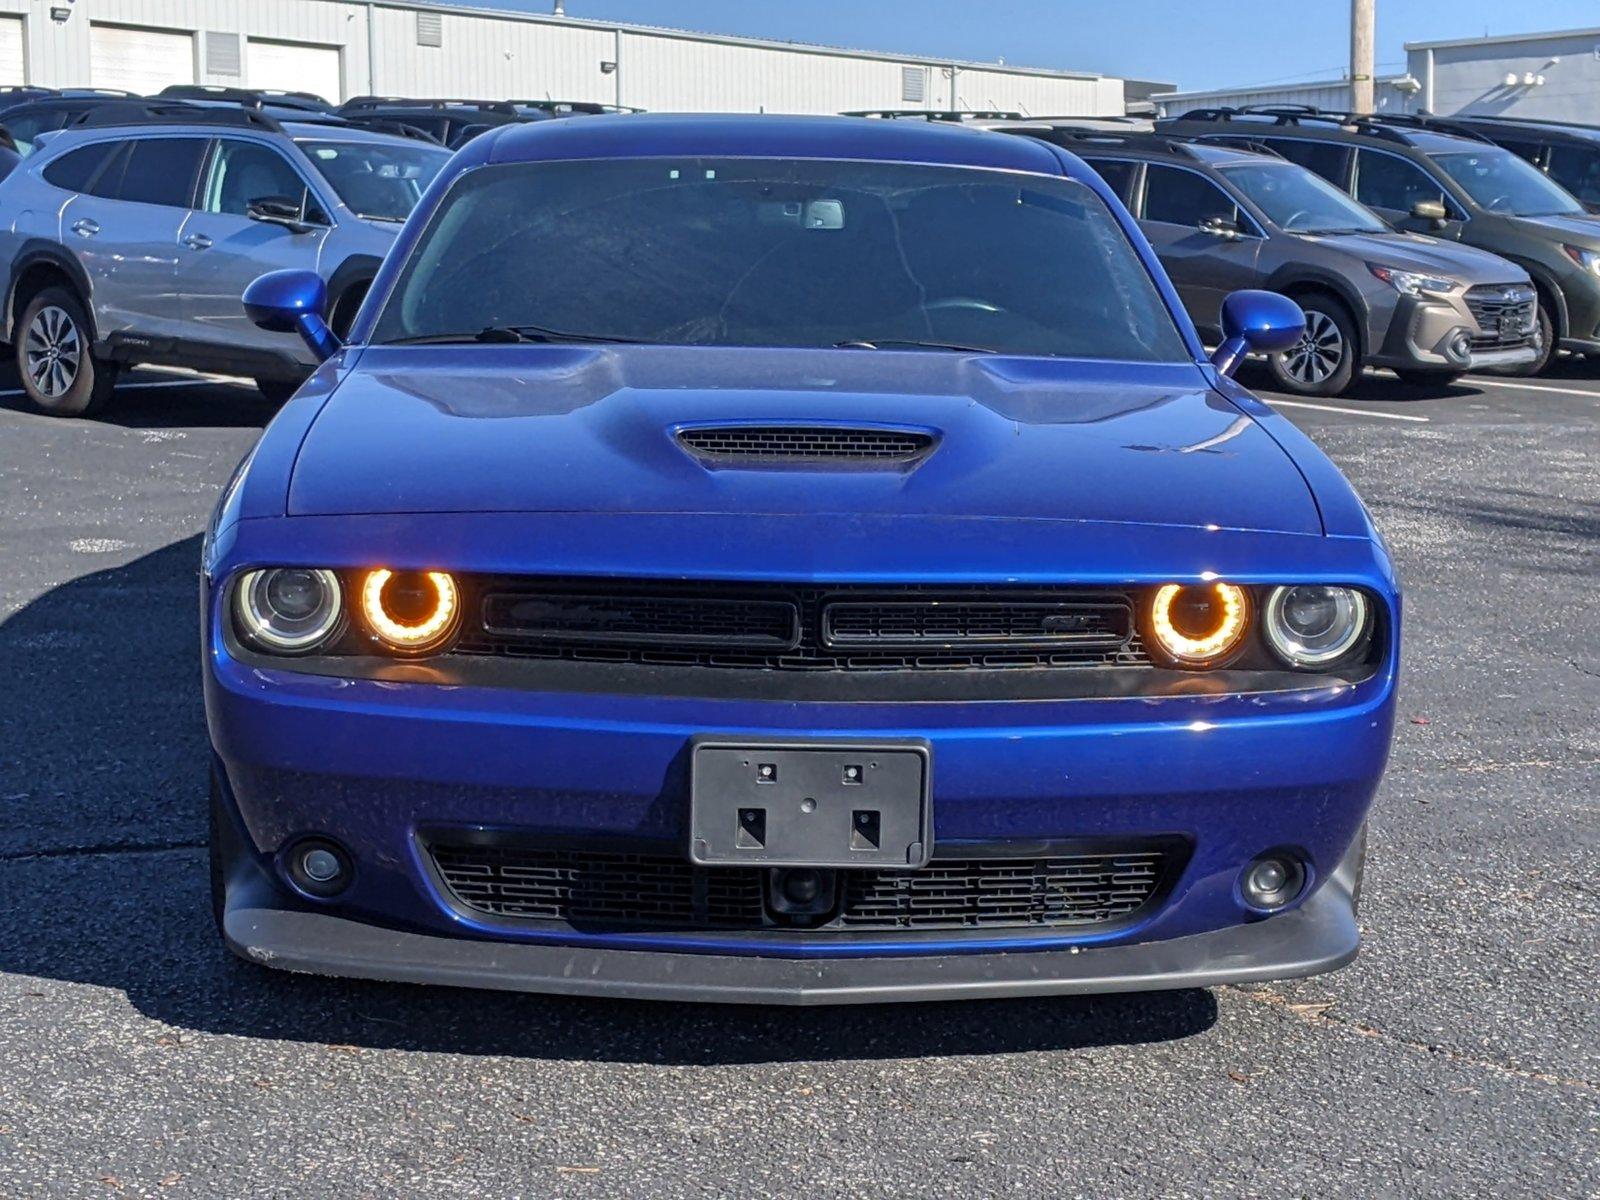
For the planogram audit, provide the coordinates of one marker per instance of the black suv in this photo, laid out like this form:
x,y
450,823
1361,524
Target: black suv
x,y
1567,152
1452,186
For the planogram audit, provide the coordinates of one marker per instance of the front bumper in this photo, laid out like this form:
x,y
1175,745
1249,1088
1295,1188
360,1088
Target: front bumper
x,y
1428,334
1321,935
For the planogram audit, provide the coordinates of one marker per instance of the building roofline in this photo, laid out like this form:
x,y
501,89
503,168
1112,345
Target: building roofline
x,y
503,14
1268,88
1504,39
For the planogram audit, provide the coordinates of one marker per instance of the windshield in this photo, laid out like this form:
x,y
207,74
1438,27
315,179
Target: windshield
x,y
1504,183
758,252
376,179
1300,202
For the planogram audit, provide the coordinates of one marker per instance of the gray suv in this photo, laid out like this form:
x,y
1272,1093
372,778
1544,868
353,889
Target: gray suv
x,y
1222,219
133,242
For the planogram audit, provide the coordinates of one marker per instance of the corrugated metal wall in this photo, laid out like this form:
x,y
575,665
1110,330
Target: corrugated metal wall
x,y
1471,77
514,55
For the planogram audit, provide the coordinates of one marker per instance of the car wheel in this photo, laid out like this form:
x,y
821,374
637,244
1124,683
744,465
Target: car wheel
x,y
1323,362
1546,348
1422,378
277,391
55,360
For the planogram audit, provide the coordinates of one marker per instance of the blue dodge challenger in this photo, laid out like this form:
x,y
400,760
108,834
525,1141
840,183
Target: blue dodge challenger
x,y
792,560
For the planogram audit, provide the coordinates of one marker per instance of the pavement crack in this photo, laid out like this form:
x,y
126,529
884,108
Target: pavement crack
x,y
1316,1014
107,849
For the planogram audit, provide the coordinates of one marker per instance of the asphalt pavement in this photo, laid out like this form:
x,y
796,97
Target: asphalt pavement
x,y
1459,1055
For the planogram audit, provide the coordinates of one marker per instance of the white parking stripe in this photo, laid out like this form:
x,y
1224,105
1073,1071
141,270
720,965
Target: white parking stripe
x,y
1354,412
1531,387
122,387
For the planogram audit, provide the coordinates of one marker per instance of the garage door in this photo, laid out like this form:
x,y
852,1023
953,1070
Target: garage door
x,y
295,68
11,64
139,60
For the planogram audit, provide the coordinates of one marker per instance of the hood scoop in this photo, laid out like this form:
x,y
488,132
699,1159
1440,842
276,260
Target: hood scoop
x,y
805,445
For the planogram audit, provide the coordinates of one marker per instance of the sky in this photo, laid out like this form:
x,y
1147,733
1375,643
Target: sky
x,y
1187,42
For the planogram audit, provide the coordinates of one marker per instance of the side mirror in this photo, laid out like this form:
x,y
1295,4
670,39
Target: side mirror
x,y
293,302
1221,227
1432,211
278,210
1257,323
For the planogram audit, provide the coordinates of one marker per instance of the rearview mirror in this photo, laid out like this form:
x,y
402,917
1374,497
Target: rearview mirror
x,y
1432,211
293,302
1221,227
1256,322
278,210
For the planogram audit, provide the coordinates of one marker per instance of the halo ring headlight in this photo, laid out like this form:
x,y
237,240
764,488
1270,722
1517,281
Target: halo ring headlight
x,y
1198,625
1311,625
411,611
287,610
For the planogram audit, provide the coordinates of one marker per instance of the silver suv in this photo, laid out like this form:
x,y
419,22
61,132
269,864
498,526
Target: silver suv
x,y
133,242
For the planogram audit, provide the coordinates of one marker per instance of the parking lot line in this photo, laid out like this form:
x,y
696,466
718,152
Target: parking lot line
x,y
144,383
1354,412
1531,387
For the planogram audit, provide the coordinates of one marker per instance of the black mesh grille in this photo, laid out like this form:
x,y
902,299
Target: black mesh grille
x,y
776,627
802,443
1505,313
620,890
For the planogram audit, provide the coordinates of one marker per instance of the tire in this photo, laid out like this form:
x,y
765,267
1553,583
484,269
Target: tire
x,y
1325,361
1422,377
219,885
277,391
1547,348
55,358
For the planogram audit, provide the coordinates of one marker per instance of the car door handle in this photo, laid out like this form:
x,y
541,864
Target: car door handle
x,y
197,241
84,227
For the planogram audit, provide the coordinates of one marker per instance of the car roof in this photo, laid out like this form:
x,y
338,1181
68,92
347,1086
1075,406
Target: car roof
x,y
1542,129
723,135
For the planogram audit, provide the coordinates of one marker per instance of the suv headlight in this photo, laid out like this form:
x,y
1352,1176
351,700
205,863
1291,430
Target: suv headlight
x,y
287,610
1589,260
1311,625
1409,283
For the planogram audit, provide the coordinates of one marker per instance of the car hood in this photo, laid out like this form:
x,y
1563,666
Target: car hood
x,y
1582,229
1426,256
595,430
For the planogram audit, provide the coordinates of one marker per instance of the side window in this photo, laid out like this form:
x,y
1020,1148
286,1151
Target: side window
x,y
1179,197
243,172
108,182
74,170
1117,174
162,171
1388,181
1577,168
1321,158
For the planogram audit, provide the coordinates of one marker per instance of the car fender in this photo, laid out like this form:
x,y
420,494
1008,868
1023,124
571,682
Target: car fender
x,y
355,270
1289,278
1548,284
36,252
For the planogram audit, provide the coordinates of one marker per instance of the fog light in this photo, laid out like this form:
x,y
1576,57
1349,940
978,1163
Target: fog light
x,y
1272,881
1461,348
318,867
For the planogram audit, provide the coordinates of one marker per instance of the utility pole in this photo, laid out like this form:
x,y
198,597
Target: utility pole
x,y
1362,20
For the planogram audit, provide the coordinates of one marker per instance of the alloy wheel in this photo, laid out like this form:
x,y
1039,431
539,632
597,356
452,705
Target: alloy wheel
x,y
53,352
1318,353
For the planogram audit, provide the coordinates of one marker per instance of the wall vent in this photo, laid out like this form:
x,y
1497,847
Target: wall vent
x,y
222,55
914,84
430,29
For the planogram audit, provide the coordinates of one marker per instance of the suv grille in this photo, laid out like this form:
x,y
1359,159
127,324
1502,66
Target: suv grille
x,y
618,890
775,627
768,444
1505,313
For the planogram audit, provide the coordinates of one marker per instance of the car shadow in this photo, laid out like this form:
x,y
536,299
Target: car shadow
x,y
150,399
103,882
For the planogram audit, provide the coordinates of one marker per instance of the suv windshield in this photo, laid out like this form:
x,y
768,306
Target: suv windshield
x,y
377,180
1504,183
1300,202
759,252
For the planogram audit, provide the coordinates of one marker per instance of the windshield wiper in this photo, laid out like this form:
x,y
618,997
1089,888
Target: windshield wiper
x,y
506,334
908,344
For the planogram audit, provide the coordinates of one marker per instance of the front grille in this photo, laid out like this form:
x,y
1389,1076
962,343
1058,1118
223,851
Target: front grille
x,y
616,890
771,444
1505,313
776,627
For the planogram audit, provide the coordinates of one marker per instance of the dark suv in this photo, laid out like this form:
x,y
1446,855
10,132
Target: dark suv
x,y
1453,187
1221,219
1569,153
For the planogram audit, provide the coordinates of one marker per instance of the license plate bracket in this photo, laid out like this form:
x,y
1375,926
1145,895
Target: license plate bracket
x,y
840,804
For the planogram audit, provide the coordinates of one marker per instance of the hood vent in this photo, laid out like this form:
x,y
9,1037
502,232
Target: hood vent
x,y
776,445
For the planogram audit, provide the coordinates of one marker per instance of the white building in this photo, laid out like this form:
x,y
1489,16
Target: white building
x,y
1555,76
340,48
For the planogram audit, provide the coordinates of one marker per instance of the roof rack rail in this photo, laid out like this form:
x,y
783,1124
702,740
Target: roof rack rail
x,y
251,97
390,125
1296,114
1133,139
362,103
584,107
150,112
936,114
1587,127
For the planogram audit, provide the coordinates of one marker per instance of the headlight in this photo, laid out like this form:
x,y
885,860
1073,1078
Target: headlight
x,y
1309,625
1408,283
410,610
287,610
1198,625
1589,260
